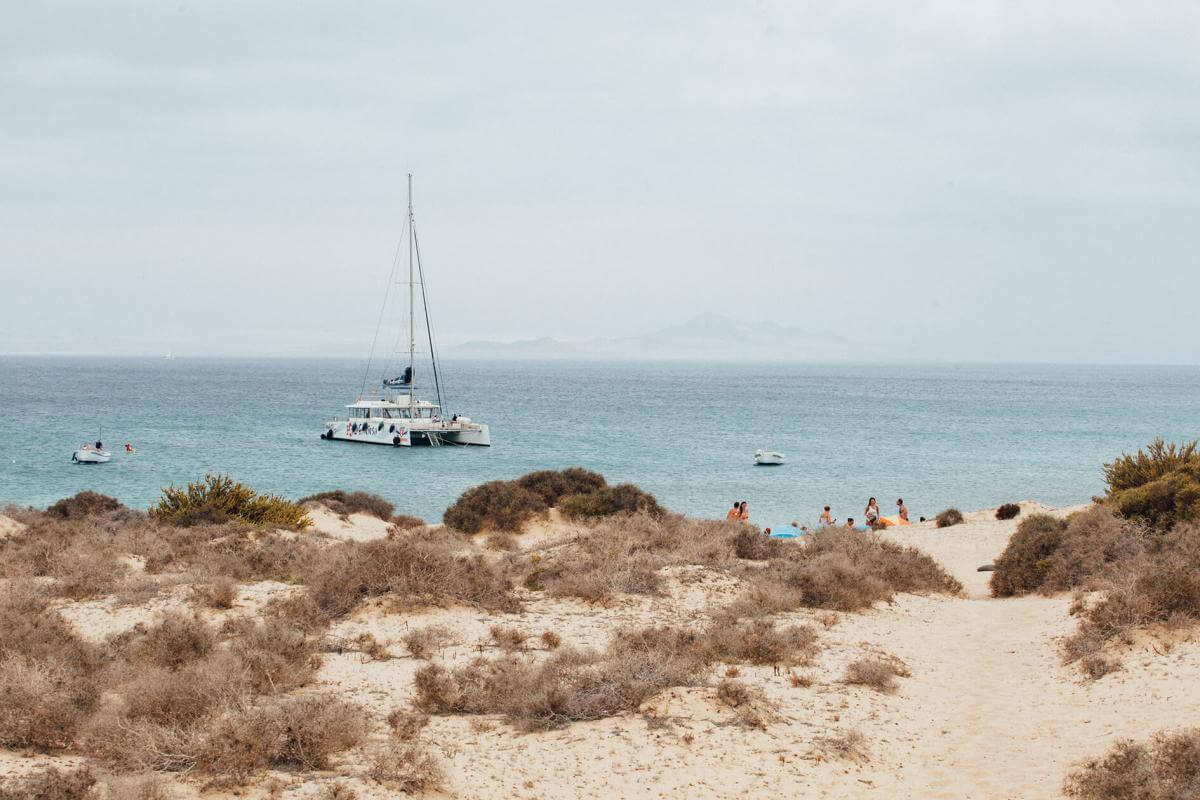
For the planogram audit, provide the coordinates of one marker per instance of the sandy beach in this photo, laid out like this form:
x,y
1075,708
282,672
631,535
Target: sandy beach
x,y
988,709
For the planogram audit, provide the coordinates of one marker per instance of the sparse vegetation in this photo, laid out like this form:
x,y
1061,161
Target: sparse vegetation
x,y
50,784
951,516
846,745
424,642
1008,511
1168,768
345,503
748,702
877,673
409,769
219,498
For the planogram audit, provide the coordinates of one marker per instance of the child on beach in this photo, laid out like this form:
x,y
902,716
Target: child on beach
x,y
849,523
903,509
734,513
826,518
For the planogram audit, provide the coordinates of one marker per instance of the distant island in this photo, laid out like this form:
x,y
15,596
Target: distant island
x,y
708,336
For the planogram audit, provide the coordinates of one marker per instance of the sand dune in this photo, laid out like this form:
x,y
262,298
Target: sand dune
x,y
989,710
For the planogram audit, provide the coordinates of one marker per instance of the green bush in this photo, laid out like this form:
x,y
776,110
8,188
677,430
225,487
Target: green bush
x,y
218,498
1008,511
1159,460
604,502
1159,486
495,505
1023,565
83,504
951,516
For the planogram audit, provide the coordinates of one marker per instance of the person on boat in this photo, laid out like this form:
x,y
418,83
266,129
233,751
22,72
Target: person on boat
x,y
903,509
735,513
871,513
826,519
743,512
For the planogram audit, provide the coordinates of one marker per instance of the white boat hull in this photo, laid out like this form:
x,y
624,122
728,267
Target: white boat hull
x,y
765,459
402,436
91,456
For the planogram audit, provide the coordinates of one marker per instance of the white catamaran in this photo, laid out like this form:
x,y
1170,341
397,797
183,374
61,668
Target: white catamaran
x,y
396,416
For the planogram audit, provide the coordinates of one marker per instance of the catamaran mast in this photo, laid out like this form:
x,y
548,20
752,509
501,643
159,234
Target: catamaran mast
x,y
412,330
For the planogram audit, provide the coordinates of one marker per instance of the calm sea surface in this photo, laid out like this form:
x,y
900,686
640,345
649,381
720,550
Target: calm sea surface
x,y
970,436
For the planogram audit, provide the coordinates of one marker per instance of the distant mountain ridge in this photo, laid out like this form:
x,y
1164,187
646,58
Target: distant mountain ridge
x,y
707,336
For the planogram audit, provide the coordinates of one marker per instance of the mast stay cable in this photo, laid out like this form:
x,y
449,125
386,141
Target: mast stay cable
x,y
383,307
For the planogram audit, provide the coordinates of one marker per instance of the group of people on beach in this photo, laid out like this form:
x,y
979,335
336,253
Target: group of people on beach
x,y
871,515
741,513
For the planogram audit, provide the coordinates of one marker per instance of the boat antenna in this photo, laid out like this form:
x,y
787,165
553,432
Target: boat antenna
x,y
437,378
412,332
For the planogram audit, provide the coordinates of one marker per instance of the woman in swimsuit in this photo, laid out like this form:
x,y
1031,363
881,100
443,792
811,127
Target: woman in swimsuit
x,y
743,512
871,512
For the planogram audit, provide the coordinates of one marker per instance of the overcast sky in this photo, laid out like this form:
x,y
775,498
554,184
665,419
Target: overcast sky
x,y
942,180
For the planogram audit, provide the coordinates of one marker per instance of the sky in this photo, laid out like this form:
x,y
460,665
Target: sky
x,y
980,181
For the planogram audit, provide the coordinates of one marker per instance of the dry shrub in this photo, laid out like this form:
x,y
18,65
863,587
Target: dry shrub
x,y
1008,511
758,641
218,498
423,642
406,521
300,732
877,673
951,516
338,791
802,681
49,677
50,784
510,640
551,640
748,702
1162,587
502,541
570,685
274,656
415,568
1025,562
177,639
1157,461
848,745
409,769
752,545
220,593
553,485
841,571
137,787
345,503
83,504
608,501
1168,768
495,505
406,724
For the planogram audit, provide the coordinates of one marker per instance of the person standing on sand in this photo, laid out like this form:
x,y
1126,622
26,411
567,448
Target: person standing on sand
x,y
871,513
744,512
735,513
903,509
825,519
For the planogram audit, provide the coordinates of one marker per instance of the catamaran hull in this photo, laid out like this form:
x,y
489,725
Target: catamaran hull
x,y
476,435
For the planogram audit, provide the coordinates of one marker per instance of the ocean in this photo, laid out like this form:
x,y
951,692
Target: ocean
x,y
970,436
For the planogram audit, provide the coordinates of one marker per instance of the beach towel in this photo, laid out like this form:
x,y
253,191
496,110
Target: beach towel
x,y
890,521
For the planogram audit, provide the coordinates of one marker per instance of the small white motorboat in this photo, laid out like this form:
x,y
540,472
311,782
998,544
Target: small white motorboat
x,y
768,458
91,454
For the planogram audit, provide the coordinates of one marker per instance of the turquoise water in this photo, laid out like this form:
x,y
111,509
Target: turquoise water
x,y
970,436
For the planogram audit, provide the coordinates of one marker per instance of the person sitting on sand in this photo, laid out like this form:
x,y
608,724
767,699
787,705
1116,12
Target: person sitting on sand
x,y
849,523
735,513
825,519
744,512
871,513
903,509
